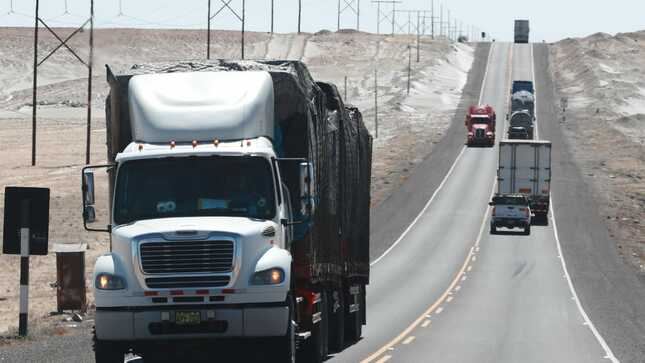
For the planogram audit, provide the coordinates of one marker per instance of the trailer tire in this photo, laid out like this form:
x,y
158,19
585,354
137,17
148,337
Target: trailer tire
x,y
107,351
355,319
337,324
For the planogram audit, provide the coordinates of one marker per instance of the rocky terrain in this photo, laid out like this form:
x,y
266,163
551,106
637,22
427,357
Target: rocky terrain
x,y
601,79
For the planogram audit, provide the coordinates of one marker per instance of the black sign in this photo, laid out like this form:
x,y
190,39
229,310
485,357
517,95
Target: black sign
x,y
36,200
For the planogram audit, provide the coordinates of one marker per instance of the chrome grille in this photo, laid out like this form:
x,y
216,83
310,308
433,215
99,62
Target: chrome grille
x,y
182,257
479,133
187,282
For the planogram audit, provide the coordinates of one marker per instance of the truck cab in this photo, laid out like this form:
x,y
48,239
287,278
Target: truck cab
x,y
480,124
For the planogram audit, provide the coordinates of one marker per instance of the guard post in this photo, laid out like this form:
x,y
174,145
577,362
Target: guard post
x,y
26,229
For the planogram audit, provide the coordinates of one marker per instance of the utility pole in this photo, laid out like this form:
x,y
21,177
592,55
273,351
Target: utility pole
x,y
375,104
419,36
226,5
409,67
299,15
441,21
350,5
272,9
381,17
87,63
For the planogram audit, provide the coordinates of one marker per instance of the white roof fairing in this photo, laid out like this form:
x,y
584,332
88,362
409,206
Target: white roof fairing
x,y
201,106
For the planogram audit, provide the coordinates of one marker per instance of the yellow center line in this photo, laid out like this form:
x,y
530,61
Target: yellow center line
x,y
459,276
421,318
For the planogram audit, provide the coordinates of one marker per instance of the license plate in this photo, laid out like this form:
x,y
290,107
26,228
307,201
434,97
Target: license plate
x,y
187,317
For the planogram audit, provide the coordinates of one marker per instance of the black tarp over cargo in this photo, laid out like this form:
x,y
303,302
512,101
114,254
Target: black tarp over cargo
x,y
315,125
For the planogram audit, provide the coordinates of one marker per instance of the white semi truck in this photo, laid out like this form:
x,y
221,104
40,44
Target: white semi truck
x,y
239,199
525,168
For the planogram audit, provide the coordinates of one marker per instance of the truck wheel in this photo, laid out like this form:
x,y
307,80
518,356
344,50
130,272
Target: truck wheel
x,y
286,346
493,229
527,230
107,351
313,349
355,320
337,323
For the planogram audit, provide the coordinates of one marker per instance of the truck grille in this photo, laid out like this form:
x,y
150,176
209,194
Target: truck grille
x,y
479,133
187,257
187,282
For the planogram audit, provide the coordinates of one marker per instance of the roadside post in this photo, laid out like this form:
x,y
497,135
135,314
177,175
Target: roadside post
x,y
26,225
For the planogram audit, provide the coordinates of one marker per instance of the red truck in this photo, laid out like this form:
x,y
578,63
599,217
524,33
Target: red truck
x,y
480,122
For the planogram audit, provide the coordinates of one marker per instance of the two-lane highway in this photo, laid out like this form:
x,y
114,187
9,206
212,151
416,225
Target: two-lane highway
x,y
449,291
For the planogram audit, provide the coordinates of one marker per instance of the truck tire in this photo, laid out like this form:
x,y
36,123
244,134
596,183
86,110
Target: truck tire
x,y
337,323
285,347
355,321
493,229
107,351
313,349
527,230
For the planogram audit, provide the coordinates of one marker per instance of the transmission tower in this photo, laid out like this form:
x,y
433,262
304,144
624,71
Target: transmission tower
x,y
353,6
226,5
382,16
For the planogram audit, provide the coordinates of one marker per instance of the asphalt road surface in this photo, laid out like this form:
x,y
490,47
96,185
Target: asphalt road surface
x,y
449,291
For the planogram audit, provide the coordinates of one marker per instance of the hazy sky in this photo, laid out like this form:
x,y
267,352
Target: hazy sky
x,y
550,19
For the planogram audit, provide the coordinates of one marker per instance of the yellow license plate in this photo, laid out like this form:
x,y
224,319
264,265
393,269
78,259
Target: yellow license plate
x,y
187,317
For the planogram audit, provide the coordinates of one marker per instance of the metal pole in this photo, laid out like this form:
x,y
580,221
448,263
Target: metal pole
x,y
418,37
34,105
272,8
441,21
378,18
345,88
409,23
432,19
208,33
89,86
24,268
243,24
393,16
409,66
299,14
376,104
338,27
358,15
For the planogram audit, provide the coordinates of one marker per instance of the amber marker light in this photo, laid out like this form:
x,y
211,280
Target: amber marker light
x,y
194,144
140,147
216,142
276,276
173,144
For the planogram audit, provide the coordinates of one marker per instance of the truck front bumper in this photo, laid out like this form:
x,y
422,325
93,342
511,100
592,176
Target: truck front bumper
x,y
215,321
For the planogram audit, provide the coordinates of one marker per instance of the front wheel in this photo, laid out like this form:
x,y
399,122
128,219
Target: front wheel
x,y
286,345
107,351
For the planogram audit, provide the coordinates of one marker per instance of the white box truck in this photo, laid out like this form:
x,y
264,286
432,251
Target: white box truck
x,y
525,168
240,196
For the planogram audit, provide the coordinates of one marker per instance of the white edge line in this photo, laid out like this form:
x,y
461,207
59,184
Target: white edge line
x,y
609,354
535,96
454,164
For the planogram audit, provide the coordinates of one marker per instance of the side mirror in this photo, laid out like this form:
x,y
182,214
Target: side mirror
x,y
307,189
88,188
90,204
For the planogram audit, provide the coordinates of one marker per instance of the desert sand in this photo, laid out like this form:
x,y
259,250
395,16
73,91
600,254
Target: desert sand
x,y
602,78
409,126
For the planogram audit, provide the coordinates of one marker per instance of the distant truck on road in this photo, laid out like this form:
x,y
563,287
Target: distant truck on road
x,y
480,124
522,31
522,110
240,196
525,168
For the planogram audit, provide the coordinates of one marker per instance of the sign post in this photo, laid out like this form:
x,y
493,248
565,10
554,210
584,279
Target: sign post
x,y
26,229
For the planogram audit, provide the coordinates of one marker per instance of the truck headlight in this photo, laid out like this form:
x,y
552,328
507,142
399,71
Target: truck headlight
x,y
106,281
272,276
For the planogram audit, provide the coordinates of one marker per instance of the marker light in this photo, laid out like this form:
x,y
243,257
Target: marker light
x,y
248,143
216,142
194,144
173,144
140,147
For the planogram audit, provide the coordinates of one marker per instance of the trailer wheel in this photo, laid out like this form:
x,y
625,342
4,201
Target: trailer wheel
x,y
313,349
107,351
337,322
355,319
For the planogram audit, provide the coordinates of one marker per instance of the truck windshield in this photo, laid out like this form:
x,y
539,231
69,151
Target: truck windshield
x,y
194,186
481,120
